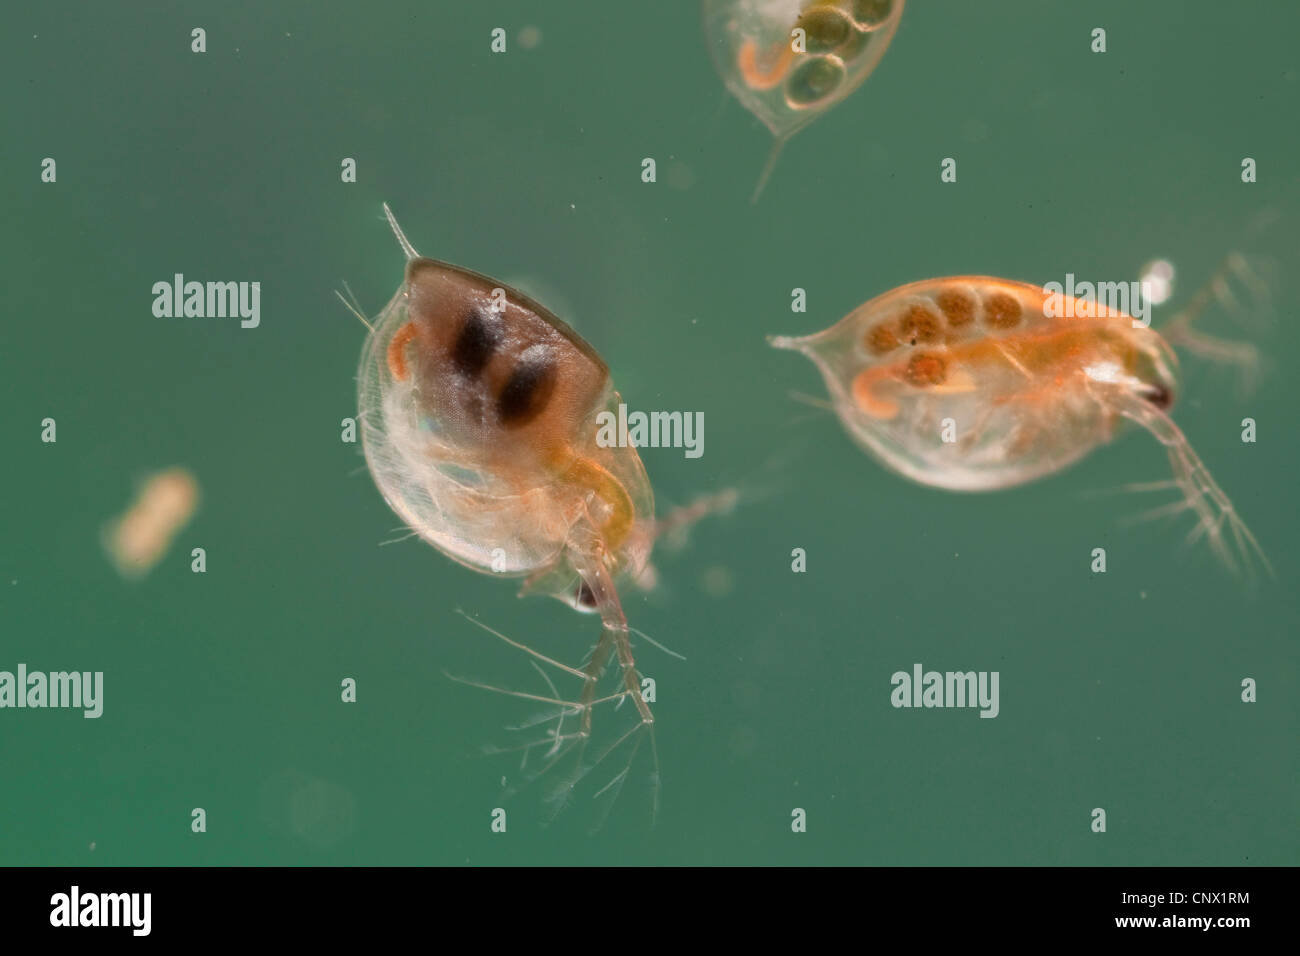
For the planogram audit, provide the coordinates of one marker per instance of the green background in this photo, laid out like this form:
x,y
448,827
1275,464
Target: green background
x,y
1118,691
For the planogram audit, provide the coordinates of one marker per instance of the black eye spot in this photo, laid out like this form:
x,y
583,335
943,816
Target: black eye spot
x,y
528,390
476,343
1160,396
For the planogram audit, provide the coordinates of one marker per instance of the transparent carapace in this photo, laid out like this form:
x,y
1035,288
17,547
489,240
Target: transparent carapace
x,y
973,383
789,61
478,419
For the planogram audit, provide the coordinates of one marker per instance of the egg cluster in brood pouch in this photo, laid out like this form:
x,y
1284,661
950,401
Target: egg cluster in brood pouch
x,y
789,61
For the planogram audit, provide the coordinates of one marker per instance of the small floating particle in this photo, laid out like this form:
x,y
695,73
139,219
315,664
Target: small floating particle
x,y
530,38
137,540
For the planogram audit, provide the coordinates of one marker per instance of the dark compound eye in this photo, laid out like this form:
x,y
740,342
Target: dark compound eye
x,y
476,343
1160,396
528,389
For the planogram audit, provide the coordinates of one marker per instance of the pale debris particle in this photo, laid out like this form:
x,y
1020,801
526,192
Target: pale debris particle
x,y
139,538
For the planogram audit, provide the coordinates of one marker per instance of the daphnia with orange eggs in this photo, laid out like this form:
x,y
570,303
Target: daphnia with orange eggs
x,y
789,61
973,383
478,411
